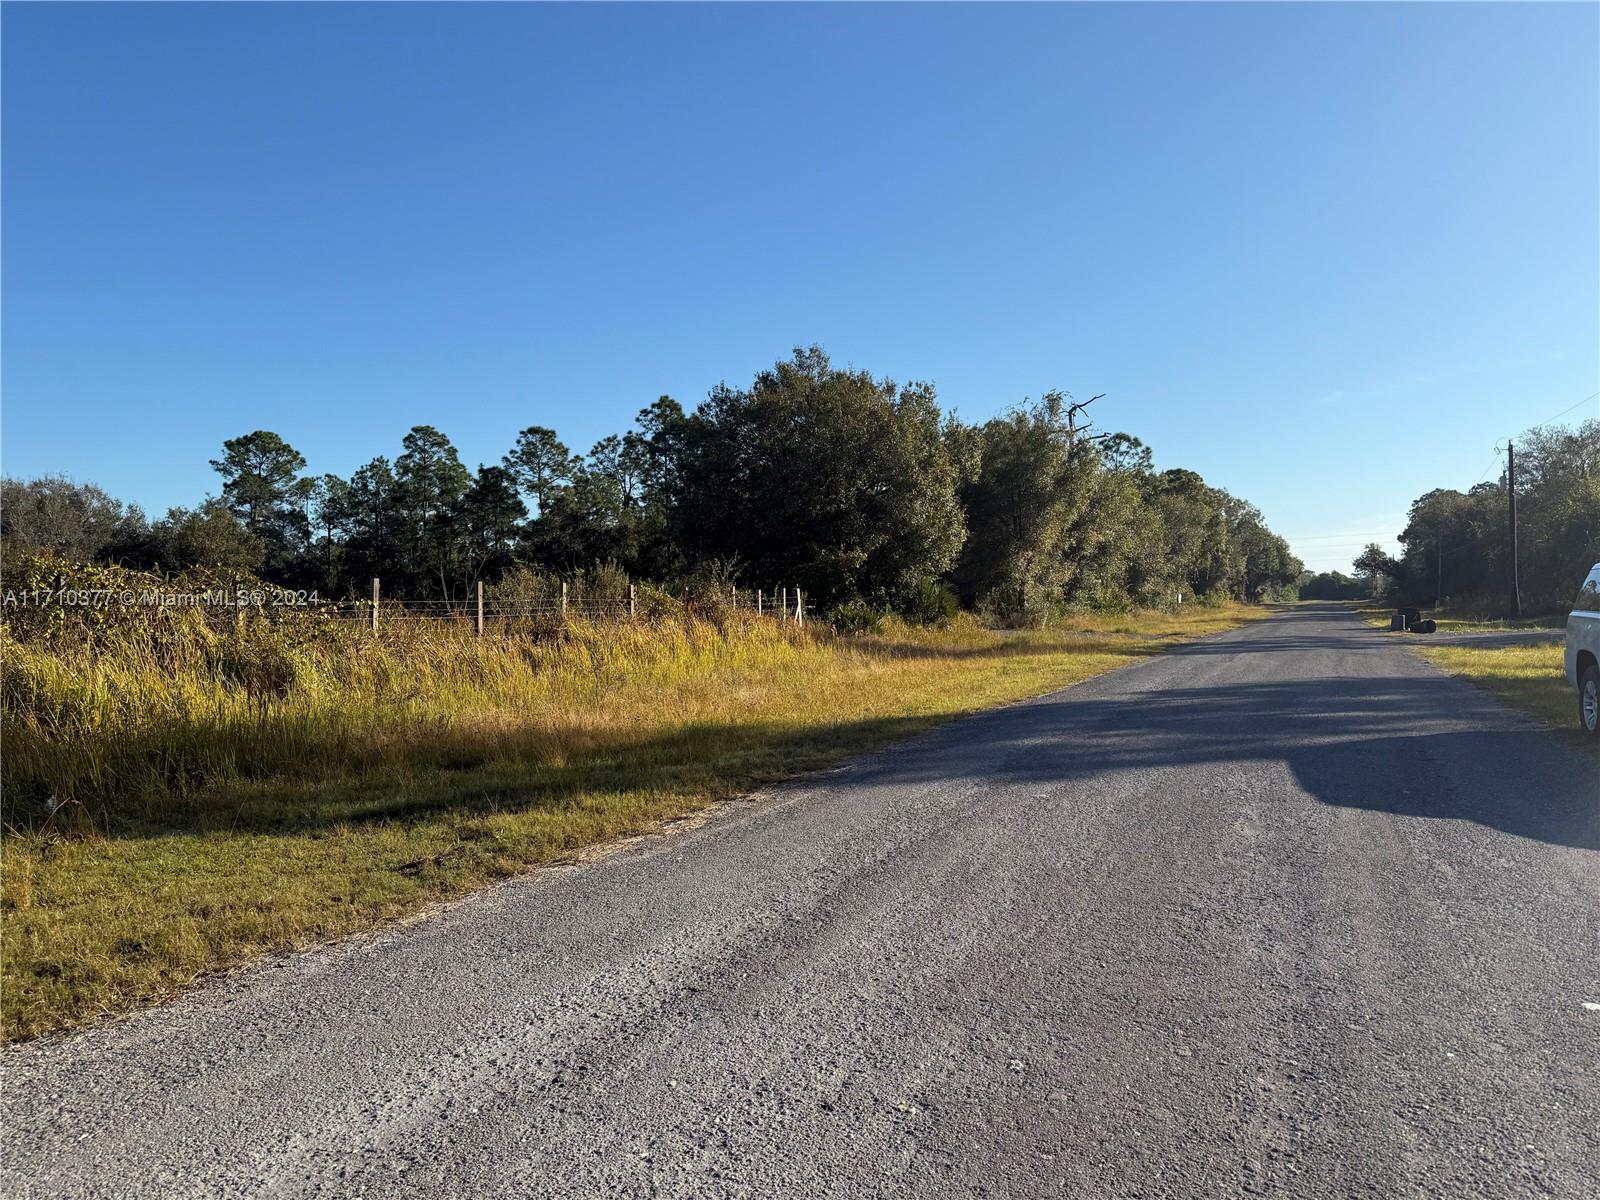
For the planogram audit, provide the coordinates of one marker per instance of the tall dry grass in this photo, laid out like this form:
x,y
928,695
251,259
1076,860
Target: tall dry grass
x,y
130,725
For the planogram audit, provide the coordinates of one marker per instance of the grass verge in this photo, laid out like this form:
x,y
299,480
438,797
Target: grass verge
x,y
1530,677
1379,615
1471,625
215,800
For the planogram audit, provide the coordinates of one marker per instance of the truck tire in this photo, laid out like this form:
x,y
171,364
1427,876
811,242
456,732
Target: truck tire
x,y
1589,700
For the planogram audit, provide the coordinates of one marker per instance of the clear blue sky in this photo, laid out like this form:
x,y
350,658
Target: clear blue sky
x,y
1327,256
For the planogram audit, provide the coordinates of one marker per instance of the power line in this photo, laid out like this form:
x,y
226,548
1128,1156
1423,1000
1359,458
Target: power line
x,y
1565,411
1494,461
1351,537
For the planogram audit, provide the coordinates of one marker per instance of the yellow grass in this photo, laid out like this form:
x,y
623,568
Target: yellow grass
x,y
217,796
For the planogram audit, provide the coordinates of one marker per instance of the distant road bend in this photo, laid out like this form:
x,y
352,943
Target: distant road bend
x,y
1282,912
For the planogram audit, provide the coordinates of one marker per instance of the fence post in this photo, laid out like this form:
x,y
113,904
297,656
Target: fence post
x,y
783,604
563,600
633,601
758,602
799,607
478,625
374,605
733,595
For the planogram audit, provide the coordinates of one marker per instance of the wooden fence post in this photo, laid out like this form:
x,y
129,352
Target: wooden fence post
x,y
799,607
374,605
478,625
758,602
633,601
783,604
563,599
733,595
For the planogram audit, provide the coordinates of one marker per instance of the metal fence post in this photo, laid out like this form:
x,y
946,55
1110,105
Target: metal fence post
x,y
758,602
478,625
374,605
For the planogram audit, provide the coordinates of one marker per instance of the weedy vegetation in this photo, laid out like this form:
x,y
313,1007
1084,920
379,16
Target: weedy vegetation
x,y
186,793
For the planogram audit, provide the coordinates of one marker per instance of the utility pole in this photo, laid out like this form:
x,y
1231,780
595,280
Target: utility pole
x,y
1511,516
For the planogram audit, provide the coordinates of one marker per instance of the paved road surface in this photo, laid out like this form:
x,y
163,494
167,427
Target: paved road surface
x,y
1283,912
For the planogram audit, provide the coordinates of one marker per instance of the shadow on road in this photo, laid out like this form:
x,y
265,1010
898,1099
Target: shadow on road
x,y
1390,745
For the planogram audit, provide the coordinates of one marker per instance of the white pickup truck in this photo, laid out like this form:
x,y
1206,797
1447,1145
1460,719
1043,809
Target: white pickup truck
x,y
1583,651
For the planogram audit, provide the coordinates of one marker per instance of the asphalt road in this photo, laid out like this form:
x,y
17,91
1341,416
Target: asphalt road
x,y
1283,912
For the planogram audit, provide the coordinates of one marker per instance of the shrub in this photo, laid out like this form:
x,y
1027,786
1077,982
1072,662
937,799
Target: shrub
x,y
855,616
930,602
524,585
1036,609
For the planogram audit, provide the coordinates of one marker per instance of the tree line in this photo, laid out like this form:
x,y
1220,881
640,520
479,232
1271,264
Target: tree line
x,y
857,488
1456,548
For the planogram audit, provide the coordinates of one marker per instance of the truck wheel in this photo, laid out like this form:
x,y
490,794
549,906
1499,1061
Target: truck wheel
x,y
1589,700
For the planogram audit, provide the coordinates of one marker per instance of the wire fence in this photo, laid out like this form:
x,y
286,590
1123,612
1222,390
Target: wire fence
x,y
483,610
104,600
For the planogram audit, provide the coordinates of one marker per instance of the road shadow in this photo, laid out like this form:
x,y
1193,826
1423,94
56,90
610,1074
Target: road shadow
x,y
1424,747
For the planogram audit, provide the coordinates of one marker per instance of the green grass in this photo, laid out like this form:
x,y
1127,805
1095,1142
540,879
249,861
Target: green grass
x,y
1448,624
183,799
